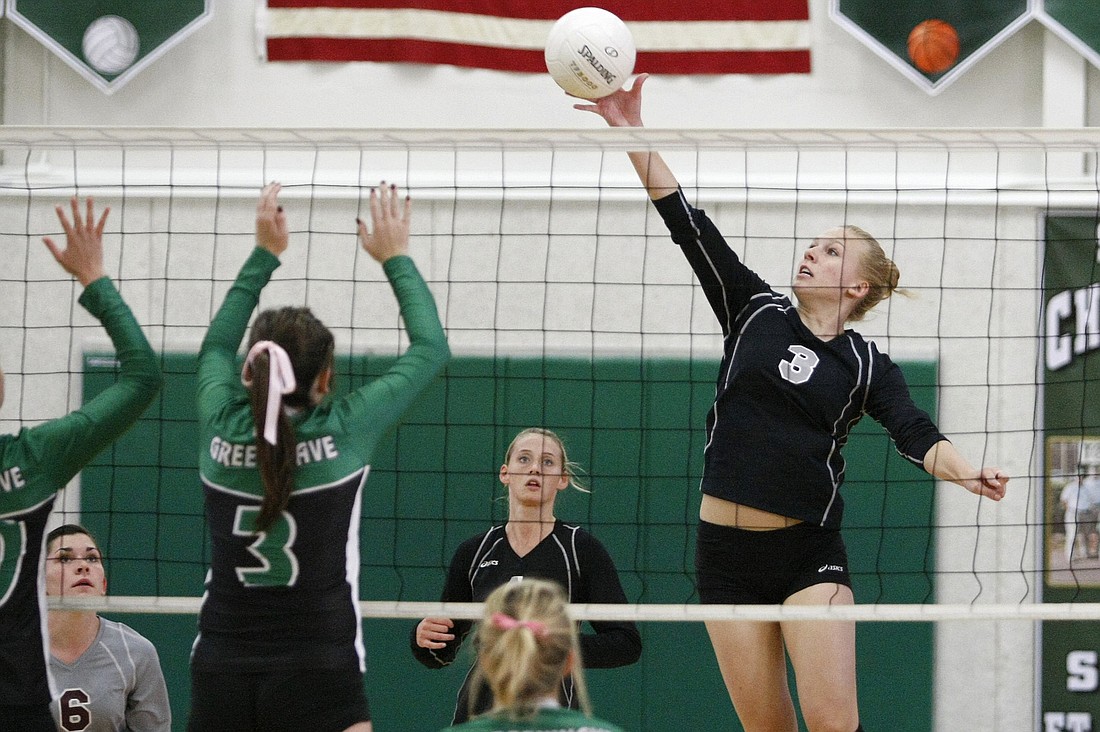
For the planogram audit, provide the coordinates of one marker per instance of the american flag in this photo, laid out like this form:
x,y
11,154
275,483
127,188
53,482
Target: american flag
x,y
682,37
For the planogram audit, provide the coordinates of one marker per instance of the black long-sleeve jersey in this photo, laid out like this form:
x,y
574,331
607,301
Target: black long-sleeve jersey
x,y
785,400
570,556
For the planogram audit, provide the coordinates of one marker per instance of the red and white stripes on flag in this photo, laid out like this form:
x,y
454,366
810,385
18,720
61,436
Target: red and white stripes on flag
x,y
672,36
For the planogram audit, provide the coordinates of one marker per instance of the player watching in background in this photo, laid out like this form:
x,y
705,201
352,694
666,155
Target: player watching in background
x,y
37,462
107,675
283,467
533,543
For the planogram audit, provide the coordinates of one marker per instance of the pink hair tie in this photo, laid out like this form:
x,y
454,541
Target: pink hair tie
x,y
280,381
507,622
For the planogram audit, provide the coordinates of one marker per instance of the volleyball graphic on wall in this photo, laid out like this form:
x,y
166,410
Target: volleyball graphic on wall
x,y
111,44
108,42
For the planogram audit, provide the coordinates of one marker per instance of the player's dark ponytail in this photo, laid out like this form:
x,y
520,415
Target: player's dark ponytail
x,y
309,344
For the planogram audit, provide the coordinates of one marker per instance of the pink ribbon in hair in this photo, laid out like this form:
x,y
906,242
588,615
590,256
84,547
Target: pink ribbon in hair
x,y
507,622
280,381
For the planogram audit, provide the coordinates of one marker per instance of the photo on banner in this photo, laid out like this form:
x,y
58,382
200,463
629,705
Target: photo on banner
x,y
893,32
1074,21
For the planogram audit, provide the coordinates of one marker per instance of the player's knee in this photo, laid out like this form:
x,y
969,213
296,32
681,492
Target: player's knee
x,y
831,718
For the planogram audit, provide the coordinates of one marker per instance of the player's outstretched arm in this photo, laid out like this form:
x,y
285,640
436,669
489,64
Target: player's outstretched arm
x,y
76,439
946,463
623,108
218,373
384,400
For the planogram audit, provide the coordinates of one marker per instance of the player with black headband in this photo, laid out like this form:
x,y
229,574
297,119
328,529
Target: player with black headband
x,y
283,466
793,382
532,543
37,462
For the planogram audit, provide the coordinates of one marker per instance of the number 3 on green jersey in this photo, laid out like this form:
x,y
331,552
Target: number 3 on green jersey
x,y
273,547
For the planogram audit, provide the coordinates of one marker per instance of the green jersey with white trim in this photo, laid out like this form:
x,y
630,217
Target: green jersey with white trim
x,y
288,597
34,465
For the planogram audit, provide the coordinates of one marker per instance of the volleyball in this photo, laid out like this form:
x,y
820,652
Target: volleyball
x,y
933,46
110,44
590,52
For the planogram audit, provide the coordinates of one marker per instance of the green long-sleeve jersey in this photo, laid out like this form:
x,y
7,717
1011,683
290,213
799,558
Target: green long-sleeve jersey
x,y
34,465
288,597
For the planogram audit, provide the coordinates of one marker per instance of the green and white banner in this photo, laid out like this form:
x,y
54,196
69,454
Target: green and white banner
x,y
893,31
1077,22
1070,683
109,41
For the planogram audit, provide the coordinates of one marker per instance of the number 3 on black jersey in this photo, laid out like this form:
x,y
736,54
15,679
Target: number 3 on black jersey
x,y
800,367
278,565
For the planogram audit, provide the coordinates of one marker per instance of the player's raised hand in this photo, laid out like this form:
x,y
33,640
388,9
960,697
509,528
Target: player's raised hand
x,y
388,235
271,227
83,253
622,108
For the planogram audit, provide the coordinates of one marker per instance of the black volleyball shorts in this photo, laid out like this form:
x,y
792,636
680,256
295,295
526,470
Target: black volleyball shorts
x,y
740,566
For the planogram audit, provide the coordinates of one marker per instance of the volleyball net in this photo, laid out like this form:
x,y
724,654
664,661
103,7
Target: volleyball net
x,y
567,307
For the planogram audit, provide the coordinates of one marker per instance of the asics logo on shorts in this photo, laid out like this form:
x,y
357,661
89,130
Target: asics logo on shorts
x,y
830,568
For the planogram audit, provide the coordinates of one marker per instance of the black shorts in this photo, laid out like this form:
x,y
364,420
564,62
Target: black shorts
x,y
743,567
317,699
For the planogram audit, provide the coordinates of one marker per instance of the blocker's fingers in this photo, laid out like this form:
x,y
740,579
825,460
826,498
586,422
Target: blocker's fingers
x,y
74,203
269,198
53,248
392,197
102,222
375,204
65,225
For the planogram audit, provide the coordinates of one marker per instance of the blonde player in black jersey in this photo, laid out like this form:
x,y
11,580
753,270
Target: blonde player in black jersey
x,y
533,543
792,384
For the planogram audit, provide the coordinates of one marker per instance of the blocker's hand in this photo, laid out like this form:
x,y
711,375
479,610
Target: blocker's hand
x,y
83,253
389,216
271,227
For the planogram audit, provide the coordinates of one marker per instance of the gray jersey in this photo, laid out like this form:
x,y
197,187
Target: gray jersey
x,y
116,686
